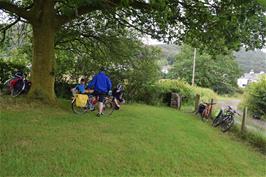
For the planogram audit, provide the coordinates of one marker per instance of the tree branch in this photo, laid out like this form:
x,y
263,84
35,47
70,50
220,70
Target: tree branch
x,y
106,4
3,30
19,11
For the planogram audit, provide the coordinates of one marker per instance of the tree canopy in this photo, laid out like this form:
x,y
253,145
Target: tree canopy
x,y
213,25
227,24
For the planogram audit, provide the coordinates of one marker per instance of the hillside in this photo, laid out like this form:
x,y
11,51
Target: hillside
x,y
138,140
255,60
168,53
249,60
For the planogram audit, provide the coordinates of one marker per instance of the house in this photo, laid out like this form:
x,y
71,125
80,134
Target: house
x,y
166,69
247,78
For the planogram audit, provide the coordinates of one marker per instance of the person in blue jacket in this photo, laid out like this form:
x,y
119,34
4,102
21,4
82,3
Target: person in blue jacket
x,y
101,85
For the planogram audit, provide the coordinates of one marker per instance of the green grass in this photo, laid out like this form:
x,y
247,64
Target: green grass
x,y
139,140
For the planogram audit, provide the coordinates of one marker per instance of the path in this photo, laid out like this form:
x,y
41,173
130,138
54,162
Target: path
x,y
251,123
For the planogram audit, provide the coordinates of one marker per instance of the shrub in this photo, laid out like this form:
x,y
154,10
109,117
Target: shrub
x,y
160,92
205,93
153,94
256,139
255,97
63,89
186,90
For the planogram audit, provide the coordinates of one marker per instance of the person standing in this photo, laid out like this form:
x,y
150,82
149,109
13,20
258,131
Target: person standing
x,y
101,85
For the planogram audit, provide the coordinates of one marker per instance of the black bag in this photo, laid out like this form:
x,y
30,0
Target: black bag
x,y
201,108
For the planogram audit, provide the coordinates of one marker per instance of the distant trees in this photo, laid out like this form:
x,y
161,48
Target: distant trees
x,y
219,73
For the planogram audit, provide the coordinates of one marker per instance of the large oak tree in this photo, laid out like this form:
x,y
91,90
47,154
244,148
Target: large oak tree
x,y
213,24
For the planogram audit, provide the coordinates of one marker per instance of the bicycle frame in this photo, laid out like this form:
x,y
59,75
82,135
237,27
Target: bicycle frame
x,y
206,112
93,102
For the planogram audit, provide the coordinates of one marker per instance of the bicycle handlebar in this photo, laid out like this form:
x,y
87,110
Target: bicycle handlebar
x,y
234,111
209,103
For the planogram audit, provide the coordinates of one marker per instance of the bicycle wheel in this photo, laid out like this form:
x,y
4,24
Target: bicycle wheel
x,y
18,88
76,109
217,121
108,108
6,88
227,124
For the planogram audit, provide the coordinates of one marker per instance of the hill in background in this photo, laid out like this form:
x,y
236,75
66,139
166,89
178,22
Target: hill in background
x,y
247,60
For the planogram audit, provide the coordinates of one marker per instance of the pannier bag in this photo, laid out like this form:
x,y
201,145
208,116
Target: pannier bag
x,y
201,108
81,100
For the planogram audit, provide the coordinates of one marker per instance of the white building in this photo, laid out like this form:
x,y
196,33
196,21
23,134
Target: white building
x,y
247,78
165,69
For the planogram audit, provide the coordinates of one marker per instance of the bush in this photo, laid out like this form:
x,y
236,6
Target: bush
x,y
255,97
186,90
63,89
256,139
160,92
153,94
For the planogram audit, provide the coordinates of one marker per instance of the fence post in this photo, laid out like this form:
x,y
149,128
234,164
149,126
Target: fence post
x,y
180,102
243,124
197,100
210,113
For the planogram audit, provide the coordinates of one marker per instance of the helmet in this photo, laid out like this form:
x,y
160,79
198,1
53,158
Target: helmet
x,y
103,69
120,87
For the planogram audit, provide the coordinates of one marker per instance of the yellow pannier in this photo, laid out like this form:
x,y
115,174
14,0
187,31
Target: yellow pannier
x,y
81,100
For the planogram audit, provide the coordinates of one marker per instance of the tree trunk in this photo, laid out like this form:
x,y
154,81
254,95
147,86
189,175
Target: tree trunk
x,y
43,60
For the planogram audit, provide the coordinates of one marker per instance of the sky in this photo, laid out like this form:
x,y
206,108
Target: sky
x,y
149,41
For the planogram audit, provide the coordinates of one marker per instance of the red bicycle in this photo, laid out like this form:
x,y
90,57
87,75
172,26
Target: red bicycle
x,y
16,85
205,109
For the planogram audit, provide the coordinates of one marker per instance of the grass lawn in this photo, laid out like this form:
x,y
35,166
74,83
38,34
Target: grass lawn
x,y
139,140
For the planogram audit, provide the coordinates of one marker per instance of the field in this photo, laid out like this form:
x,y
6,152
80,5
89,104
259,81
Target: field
x,y
139,140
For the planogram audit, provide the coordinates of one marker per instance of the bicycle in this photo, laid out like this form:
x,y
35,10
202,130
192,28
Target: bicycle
x,y
225,119
16,85
205,109
90,104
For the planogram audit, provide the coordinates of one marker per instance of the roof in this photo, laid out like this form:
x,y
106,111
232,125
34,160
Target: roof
x,y
252,76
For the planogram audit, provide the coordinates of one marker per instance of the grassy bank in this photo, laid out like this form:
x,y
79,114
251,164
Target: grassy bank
x,y
139,140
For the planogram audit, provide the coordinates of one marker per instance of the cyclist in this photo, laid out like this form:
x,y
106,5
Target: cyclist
x,y
101,85
80,88
117,94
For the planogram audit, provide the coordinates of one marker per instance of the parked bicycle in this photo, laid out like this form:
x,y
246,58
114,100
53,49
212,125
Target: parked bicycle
x,y
16,85
82,103
225,119
204,110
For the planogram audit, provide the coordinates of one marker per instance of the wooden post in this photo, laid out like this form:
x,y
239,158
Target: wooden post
x,y
210,113
178,98
197,100
180,102
243,125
